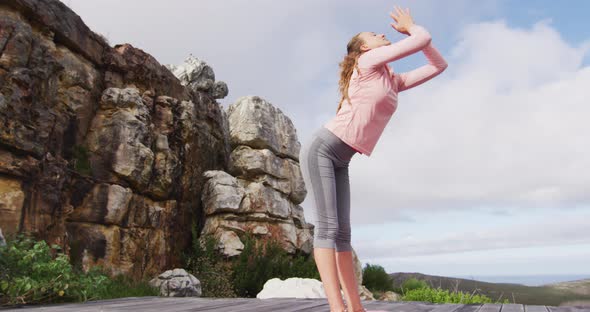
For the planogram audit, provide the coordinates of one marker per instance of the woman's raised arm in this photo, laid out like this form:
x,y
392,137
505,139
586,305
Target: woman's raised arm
x,y
419,38
436,65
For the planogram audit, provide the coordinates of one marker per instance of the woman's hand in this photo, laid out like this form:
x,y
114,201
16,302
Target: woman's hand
x,y
404,20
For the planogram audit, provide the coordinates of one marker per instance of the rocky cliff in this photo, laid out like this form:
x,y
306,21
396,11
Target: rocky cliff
x,y
263,187
115,157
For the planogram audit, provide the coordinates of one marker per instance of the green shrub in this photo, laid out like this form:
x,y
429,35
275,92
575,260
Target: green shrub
x,y
209,267
262,260
122,286
31,272
376,279
412,284
245,274
428,294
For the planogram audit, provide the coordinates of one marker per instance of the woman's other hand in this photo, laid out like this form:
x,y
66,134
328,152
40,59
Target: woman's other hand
x,y
403,19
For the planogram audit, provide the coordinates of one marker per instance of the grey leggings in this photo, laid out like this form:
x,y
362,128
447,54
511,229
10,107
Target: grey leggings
x,y
324,166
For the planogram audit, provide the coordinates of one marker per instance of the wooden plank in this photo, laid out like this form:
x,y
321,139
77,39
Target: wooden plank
x,y
164,304
292,305
130,304
206,304
383,305
417,306
160,304
535,308
447,307
568,309
308,304
119,300
252,304
78,306
268,305
235,304
512,307
471,307
490,307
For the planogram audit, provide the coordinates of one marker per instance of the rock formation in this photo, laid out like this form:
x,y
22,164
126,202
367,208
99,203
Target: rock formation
x,y
102,149
264,187
198,76
108,154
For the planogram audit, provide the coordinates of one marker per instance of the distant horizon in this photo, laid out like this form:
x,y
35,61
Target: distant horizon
x,y
525,279
588,274
498,275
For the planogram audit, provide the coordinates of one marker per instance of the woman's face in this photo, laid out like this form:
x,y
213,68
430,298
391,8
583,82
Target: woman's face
x,y
373,40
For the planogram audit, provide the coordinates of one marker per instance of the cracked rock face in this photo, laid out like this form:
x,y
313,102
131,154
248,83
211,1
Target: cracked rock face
x,y
257,123
263,187
102,149
113,156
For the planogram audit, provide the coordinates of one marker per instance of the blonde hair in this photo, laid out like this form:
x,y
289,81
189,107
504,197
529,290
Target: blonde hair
x,y
353,49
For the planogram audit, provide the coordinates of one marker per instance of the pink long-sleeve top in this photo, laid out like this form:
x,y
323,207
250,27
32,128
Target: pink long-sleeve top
x,y
373,93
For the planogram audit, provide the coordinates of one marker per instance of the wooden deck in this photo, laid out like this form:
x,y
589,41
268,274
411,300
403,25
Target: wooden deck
x,y
163,304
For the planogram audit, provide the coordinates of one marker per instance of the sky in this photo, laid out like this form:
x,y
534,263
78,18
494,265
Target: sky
x,y
481,171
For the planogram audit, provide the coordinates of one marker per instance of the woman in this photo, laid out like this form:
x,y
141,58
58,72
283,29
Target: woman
x,y
369,91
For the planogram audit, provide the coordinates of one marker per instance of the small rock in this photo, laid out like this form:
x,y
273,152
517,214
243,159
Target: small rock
x,y
219,90
259,229
390,296
161,143
177,283
202,85
230,243
193,70
365,293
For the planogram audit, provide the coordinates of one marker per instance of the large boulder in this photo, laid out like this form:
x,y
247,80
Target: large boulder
x,y
293,287
257,123
177,283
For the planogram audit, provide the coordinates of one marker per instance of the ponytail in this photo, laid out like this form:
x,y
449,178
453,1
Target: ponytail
x,y
347,66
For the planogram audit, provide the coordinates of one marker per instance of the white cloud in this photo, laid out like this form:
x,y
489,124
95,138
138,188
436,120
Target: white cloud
x,y
546,233
537,261
283,51
506,124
